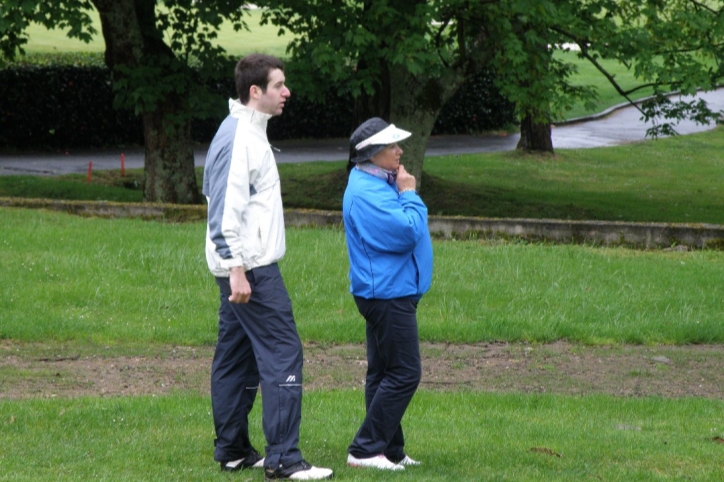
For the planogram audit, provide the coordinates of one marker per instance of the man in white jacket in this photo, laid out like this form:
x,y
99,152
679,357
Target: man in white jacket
x,y
258,343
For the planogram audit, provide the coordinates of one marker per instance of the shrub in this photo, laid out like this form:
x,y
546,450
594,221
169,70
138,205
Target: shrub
x,y
66,101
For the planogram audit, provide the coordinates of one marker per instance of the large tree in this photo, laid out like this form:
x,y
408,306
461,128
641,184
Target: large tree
x,y
401,59
530,75
668,45
159,54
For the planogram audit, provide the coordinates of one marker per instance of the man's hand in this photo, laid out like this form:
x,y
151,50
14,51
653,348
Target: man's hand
x,y
240,288
405,180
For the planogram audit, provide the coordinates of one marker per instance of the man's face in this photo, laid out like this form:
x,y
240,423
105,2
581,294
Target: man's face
x,y
272,101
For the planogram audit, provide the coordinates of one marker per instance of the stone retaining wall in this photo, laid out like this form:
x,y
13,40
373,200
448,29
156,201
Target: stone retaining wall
x,y
638,235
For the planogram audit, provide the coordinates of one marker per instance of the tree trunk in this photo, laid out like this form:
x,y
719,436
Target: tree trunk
x,y
415,102
535,135
169,175
130,36
376,104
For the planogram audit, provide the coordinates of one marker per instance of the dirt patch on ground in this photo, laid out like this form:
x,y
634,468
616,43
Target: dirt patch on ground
x,y
28,371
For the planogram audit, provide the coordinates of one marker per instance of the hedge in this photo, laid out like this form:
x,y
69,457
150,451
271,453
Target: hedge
x,y
69,106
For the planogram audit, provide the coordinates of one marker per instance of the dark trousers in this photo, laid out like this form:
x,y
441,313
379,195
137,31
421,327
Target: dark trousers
x,y
393,374
258,342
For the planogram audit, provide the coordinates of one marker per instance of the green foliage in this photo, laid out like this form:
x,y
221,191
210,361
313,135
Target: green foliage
x,y
668,45
17,15
156,75
352,41
76,59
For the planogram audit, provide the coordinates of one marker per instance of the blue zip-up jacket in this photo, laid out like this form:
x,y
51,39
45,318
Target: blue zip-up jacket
x,y
388,241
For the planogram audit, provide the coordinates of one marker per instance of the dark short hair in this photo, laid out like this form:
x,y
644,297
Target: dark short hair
x,y
254,69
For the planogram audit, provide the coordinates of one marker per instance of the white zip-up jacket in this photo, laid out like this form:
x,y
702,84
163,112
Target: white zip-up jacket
x,y
241,184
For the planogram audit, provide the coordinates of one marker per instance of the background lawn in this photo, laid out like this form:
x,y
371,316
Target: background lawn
x,y
265,39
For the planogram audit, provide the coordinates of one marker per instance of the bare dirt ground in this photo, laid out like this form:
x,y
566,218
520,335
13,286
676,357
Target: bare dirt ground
x,y
28,371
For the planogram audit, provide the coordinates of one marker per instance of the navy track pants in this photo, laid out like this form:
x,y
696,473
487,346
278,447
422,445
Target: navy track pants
x,y
258,345
394,371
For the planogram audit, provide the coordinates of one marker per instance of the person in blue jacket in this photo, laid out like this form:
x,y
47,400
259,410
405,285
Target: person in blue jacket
x,y
390,257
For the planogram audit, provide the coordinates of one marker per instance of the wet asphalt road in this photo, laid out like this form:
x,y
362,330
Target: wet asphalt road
x,y
614,127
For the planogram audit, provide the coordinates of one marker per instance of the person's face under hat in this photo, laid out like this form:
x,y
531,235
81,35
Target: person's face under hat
x,y
388,158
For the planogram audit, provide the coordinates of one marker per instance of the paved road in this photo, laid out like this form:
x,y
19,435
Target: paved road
x,y
618,126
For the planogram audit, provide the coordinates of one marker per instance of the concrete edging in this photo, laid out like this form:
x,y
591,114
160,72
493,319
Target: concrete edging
x,y
638,235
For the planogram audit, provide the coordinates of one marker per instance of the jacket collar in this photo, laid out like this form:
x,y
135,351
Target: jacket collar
x,y
253,116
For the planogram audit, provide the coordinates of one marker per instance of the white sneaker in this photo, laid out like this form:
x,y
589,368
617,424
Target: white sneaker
x,y
235,465
312,473
299,471
409,462
378,462
251,461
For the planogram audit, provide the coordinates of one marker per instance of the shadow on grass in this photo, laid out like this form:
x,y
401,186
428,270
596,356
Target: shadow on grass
x,y
323,189
442,197
449,198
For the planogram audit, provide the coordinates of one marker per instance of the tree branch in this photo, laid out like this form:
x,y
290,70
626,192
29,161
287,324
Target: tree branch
x,y
609,77
705,7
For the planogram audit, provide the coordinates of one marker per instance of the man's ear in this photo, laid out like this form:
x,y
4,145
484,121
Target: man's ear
x,y
254,92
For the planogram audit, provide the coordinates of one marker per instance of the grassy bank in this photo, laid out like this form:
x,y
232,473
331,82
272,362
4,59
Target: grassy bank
x,y
668,180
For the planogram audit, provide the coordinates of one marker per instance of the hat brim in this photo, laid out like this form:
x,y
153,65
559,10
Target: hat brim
x,y
388,135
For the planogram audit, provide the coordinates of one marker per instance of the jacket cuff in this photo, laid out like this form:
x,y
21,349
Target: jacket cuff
x,y
232,263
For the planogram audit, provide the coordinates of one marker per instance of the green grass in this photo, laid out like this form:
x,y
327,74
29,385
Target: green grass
x,y
260,38
668,180
113,282
587,74
494,438
105,186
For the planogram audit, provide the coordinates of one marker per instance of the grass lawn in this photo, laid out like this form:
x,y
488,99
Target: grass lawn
x,y
114,282
587,74
260,38
667,180
78,285
493,437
